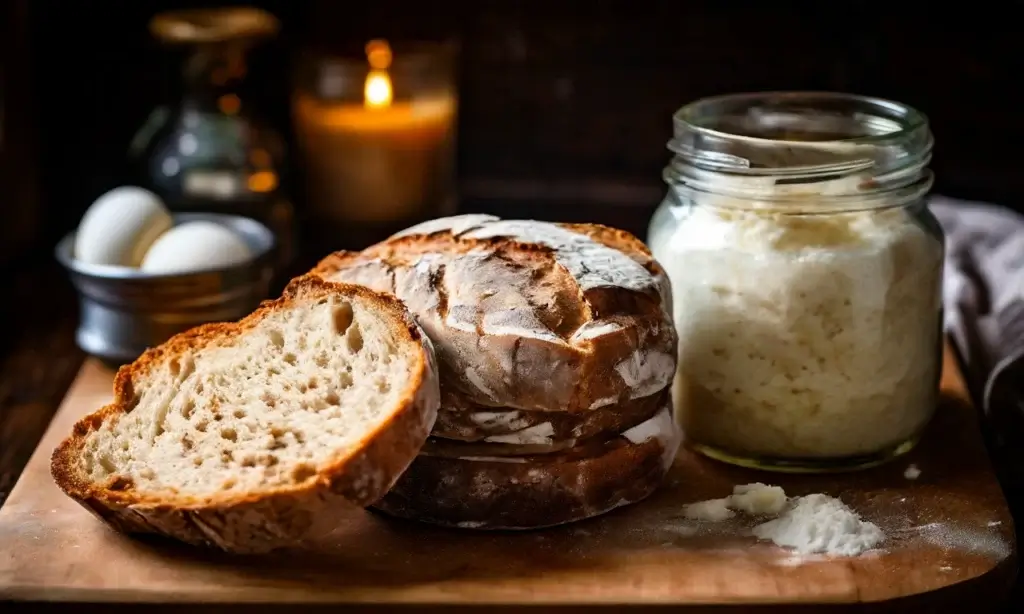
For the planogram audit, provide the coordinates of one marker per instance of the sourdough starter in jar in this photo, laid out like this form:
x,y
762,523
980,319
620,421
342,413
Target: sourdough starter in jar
x,y
804,336
809,321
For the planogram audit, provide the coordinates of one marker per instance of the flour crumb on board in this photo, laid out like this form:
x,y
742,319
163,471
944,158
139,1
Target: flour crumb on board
x,y
912,472
813,524
755,499
758,499
713,510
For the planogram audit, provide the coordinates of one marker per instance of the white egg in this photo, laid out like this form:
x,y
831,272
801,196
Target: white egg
x,y
195,246
120,226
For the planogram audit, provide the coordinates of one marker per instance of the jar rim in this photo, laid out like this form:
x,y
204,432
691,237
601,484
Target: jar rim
x,y
800,134
758,145
882,119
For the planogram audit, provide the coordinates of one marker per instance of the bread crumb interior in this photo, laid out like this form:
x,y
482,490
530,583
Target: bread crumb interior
x,y
265,408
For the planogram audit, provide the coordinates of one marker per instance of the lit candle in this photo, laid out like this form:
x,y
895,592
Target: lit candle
x,y
379,160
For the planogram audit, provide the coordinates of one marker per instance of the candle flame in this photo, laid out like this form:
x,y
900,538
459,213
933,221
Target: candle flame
x,y
377,93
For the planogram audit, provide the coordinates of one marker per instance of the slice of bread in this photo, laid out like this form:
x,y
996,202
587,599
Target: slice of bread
x,y
532,492
255,435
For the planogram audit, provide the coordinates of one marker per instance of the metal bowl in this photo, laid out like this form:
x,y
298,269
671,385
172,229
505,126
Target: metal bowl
x,y
124,311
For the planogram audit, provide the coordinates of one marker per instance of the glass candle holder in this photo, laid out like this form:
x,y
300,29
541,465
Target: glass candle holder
x,y
376,138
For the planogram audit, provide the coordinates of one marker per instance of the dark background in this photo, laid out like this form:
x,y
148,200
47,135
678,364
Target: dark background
x,y
565,106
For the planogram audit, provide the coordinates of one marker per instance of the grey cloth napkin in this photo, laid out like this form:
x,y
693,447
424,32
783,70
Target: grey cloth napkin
x,y
983,296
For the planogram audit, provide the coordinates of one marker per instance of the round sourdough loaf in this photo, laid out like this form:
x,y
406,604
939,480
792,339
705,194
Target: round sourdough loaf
x,y
529,315
533,492
501,428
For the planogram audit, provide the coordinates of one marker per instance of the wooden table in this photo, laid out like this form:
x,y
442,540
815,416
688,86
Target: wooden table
x,y
38,358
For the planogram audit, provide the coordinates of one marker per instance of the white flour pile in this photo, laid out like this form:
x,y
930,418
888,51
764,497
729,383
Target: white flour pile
x,y
820,524
814,524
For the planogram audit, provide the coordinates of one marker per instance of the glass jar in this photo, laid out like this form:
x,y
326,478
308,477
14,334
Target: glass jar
x,y
806,275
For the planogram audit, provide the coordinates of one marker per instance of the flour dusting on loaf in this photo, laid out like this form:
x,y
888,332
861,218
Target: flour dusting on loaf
x,y
597,328
528,315
455,224
645,372
605,402
592,264
510,420
460,420
662,428
538,434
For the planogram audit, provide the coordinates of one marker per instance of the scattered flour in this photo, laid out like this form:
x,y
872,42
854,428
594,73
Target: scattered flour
x,y
684,530
713,510
964,539
821,524
814,524
912,472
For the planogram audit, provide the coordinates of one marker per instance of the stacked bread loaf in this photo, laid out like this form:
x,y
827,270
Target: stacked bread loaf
x,y
556,350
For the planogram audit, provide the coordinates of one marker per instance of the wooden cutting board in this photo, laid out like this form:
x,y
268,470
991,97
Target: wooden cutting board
x,y
950,541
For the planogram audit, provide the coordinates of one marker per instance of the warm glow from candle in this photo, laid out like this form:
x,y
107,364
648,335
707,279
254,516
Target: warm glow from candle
x,y
229,104
377,91
262,181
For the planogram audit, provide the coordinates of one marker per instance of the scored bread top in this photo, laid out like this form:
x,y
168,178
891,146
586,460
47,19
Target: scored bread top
x,y
250,435
526,314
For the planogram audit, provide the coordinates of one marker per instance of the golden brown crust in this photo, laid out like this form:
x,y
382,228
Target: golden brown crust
x,y
277,516
530,492
517,326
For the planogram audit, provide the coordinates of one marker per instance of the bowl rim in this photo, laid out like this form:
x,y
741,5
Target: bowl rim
x,y
268,242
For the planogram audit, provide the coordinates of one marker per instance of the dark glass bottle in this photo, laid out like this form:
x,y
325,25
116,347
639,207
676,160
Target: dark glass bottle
x,y
211,151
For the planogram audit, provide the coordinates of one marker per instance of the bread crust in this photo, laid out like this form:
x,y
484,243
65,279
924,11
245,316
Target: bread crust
x,y
459,420
529,315
534,491
275,517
